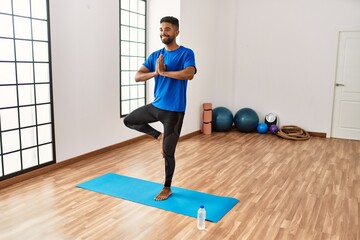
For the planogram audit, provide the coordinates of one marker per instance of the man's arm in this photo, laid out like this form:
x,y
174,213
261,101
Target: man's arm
x,y
144,74
185,74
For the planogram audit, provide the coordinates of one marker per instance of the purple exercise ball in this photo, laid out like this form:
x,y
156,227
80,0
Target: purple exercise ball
x,y
274,128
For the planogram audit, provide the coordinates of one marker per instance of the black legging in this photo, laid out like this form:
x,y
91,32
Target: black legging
x,y
139,120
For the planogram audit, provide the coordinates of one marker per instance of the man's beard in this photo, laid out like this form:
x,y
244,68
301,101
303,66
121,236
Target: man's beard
x,y
167,40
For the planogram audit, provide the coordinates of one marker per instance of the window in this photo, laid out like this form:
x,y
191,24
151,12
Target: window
x,y
26,116
132,53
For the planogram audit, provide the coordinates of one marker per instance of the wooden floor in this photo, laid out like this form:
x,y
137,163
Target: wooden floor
x,y
287,190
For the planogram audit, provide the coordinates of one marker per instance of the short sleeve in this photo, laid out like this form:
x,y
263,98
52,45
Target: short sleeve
x,y
150,63
190,59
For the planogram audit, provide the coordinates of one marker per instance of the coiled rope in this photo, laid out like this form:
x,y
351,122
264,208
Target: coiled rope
x,y
292,132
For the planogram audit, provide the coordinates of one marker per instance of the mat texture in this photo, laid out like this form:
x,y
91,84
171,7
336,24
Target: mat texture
x,y
182,201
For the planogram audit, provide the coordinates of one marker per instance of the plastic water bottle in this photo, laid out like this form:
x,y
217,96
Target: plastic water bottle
x,y
201,216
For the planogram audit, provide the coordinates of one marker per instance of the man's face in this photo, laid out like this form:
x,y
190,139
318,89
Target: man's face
x,y
168,32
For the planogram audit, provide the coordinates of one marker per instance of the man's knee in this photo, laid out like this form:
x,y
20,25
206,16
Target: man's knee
x,y
127,122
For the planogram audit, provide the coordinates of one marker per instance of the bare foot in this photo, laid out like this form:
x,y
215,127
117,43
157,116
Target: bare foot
x,y
161,139
164,194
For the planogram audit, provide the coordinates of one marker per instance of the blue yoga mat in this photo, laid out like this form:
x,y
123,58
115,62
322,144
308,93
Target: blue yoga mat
x,y
182,201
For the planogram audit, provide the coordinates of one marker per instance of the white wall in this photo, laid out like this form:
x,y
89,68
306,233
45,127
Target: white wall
x,y
277,56
85,64
286,57
273,56
223,31
195,30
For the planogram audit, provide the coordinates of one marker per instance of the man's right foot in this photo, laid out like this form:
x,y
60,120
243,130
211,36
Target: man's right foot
x,y
164,194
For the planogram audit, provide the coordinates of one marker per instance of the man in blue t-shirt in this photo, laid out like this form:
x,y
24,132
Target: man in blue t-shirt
x,y
171,67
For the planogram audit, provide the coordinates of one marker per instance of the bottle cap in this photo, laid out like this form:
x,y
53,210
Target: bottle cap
x,y
202,206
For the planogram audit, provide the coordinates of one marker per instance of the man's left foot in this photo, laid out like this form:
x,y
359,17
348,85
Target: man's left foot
x,y
164,194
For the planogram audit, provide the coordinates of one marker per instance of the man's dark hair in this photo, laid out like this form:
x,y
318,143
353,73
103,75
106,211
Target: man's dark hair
x,y
171,20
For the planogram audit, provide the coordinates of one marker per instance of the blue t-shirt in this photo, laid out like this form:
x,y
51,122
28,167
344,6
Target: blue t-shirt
x,y
170,93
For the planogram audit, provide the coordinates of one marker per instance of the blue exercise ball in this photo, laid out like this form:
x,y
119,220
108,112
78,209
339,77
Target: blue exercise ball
x,y
262,128
222,119
246,120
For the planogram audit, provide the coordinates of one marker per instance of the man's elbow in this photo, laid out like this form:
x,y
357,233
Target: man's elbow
x,y
137,76
191,74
